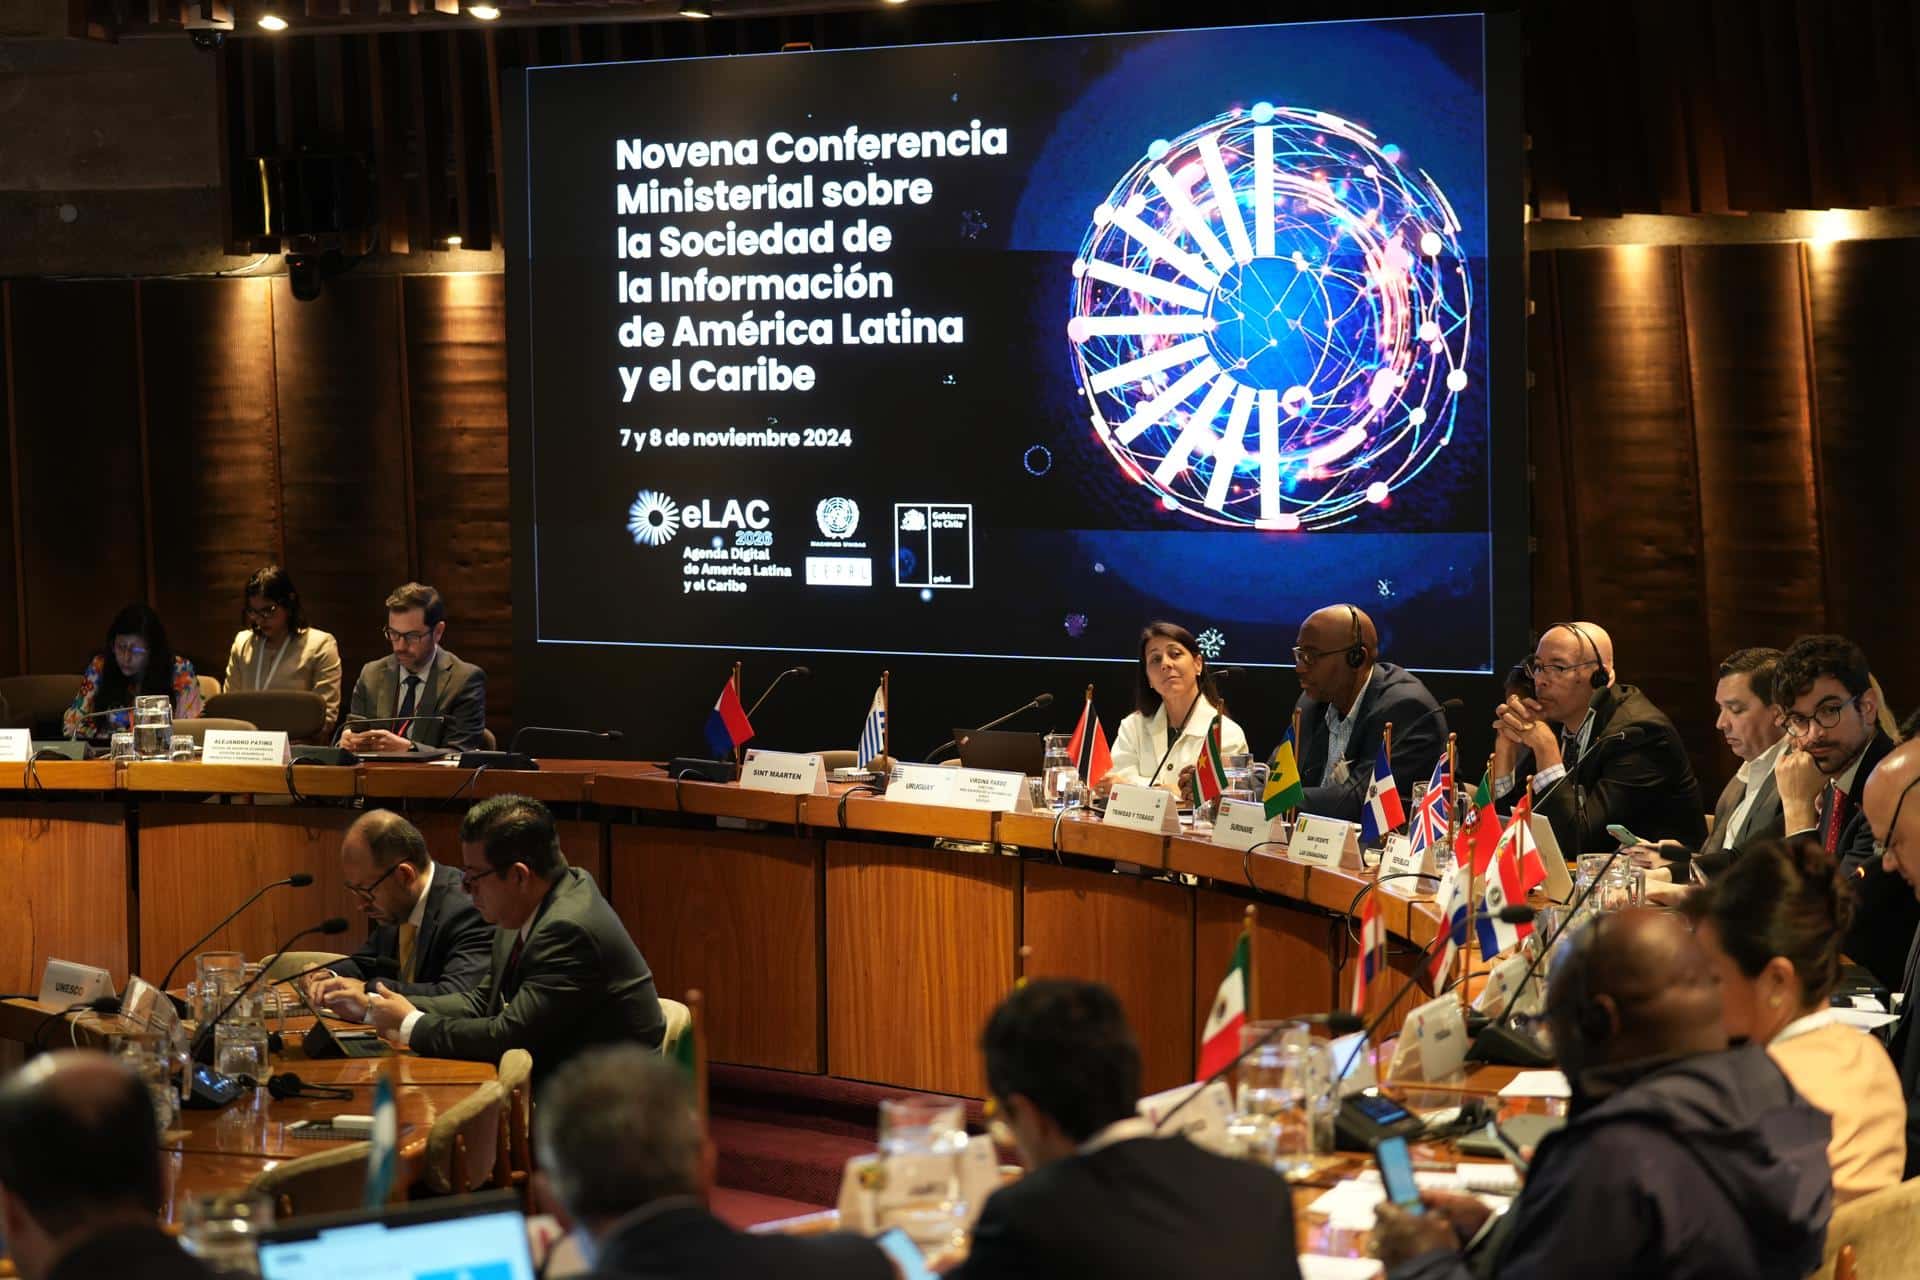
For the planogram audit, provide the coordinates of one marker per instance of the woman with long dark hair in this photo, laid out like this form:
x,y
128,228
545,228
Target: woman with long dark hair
x,y
134,659
1175,702
276,649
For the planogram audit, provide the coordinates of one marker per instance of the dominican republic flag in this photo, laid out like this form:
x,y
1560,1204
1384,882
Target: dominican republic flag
x,y
1515,870
1483,826
1210,771
381,1150
1220,1042
1089,746
1434,813
727,725
1373,952
873,734
1384,811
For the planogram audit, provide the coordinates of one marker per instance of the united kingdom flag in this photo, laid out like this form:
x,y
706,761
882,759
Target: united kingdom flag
x,y
1431,815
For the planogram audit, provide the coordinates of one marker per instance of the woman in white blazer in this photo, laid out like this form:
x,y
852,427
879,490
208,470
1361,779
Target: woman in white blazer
x,y
1175,702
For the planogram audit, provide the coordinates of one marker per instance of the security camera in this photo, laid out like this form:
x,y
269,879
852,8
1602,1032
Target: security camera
x,y
207,39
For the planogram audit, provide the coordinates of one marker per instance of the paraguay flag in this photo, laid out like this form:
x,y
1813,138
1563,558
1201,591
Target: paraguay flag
x,y
727,726
1384,812
1089,746
1373,952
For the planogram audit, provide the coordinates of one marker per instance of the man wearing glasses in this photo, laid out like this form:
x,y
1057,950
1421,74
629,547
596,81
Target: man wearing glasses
x,y
1599,751
1893,815
422,693
427,938
1347,698
1825,692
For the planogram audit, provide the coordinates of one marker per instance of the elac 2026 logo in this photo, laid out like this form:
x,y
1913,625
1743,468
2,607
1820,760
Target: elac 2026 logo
x,y
654,518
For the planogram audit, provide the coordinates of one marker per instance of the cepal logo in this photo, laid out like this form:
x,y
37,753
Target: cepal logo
x,y
654,518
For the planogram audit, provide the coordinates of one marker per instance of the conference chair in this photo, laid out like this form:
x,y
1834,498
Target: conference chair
x,y
325,1182
840,759
288,963
199,727
463,1146
679,1020
515,1168
1874,1237
209,687
38,702
300,713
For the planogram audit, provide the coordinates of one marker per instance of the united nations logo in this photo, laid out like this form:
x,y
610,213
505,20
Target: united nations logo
x,y
837,517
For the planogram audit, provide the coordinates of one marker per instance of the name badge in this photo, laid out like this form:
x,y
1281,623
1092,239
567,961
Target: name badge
x,y
785,772
16,745
1397,858
1323,842
1142,809
244,746
1242,824
922,784
995,790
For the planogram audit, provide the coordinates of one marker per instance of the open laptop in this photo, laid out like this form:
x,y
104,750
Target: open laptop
x,y
1559,881
481,1237
323,1041
1001,749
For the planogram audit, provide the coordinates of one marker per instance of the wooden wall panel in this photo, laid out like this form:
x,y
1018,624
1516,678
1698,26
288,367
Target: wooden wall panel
x,y
70,890
1866,361
920,947
457,387
214,470
1134,935
736,917
1552,494
10,617
343,456
583,843
77,429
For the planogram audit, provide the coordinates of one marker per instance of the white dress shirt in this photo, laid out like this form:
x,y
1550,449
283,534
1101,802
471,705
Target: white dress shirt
x,y
404,1037
1751,773
1339,734
1142,741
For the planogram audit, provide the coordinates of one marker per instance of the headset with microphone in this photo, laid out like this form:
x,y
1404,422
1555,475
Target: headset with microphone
x,y
1601,677
1356,653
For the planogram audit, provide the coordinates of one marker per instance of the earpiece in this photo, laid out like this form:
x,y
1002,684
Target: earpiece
x,y
1601,676
1356,650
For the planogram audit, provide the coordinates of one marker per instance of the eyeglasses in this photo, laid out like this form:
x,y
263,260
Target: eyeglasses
x,y
366,891
263,612
1826,715
1303,656
471,878
1880,847
411,637
1555,670
122,649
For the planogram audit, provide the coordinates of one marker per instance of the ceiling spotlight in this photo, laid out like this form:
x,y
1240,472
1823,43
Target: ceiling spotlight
x,y
272,21
484,12
695,9
453,242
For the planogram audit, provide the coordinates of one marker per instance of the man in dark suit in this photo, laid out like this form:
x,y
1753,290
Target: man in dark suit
x,y
421,693
622,1160
1103,1195
1893,816
1831,712
564,975
1347,698
1621,759
427,938
81,1187
1749,806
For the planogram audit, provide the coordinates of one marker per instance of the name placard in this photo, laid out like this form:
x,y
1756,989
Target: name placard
x,y
1321,842
16,745
244,746
785,772
1205,1122
1433,1042
1397,858
1142,809
995,790
1242,824
922,784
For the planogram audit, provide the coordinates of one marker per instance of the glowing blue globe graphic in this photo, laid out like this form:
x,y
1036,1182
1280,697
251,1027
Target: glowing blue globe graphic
x,y
1270,320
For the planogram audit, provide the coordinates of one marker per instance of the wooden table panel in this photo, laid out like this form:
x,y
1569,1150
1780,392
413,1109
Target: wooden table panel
x,y
735,916
243,779
1291,975
1084,833
69,888
58,775
1134,935
198,862
920,947
873,813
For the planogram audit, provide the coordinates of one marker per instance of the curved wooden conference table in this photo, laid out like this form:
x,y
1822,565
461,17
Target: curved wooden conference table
x,y
845,934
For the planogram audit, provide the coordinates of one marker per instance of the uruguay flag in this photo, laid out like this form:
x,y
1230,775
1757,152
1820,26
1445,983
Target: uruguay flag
x,y
873,734
1383,812
727,725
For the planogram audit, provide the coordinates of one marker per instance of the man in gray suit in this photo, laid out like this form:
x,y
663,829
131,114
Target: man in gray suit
x,y
422,693
564,975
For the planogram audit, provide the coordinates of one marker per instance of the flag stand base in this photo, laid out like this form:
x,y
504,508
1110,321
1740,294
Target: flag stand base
x,y
1506,1047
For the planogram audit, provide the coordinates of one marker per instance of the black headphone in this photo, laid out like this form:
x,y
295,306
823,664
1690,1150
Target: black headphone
x,y
288,1085
1601,675
1356,649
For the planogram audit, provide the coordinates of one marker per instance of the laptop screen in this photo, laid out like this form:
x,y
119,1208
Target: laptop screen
x,y
482,1238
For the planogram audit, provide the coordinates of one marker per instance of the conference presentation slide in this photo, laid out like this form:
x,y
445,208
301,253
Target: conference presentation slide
x,y
1003,349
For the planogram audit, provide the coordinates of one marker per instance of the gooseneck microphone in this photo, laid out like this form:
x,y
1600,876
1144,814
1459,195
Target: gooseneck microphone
x,y
1451,704
298,880
203,1037
604,735
1039,703
803,672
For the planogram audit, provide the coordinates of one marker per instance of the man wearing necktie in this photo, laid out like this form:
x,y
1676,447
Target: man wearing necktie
x,y
420,694
1831,713
427,938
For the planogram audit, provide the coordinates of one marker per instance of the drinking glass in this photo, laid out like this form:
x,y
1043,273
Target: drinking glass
x,y
158,1063
184,748
921,1140
240,1049
1058,769
122,750
221,1230
1246,777
218,974
152,726
1625,886
1286,1098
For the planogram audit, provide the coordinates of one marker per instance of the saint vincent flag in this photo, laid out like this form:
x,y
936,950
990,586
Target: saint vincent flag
x,y
1283,791
1220,1042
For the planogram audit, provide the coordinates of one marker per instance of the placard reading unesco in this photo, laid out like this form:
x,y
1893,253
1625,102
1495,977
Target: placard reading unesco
x,y
1001,349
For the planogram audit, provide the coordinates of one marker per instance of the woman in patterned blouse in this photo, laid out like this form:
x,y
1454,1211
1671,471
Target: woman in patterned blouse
x,y
136,659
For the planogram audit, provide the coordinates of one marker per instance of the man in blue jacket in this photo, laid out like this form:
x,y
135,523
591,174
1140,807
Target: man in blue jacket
x,y
1682,1158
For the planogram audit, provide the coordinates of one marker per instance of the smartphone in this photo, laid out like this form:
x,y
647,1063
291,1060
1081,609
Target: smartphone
x,y
1396,1173
1623,835
906,1255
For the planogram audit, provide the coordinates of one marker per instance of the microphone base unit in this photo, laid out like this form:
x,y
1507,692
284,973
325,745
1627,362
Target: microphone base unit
x,y
212,1090
324,755
497,760
701,770
1505,1047
59,748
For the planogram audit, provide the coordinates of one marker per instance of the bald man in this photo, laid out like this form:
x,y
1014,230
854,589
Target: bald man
x,y
1599,752
1893,812
1347,698
81,1187
1681,1158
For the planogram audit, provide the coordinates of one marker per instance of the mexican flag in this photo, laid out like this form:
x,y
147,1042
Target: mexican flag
x,y
1221,1040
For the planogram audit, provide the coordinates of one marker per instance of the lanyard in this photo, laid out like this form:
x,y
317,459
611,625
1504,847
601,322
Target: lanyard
x,y
260,655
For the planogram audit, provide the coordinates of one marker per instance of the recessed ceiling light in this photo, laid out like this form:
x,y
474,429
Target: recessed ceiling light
x,y
484,12
695,9
453,242
273,22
